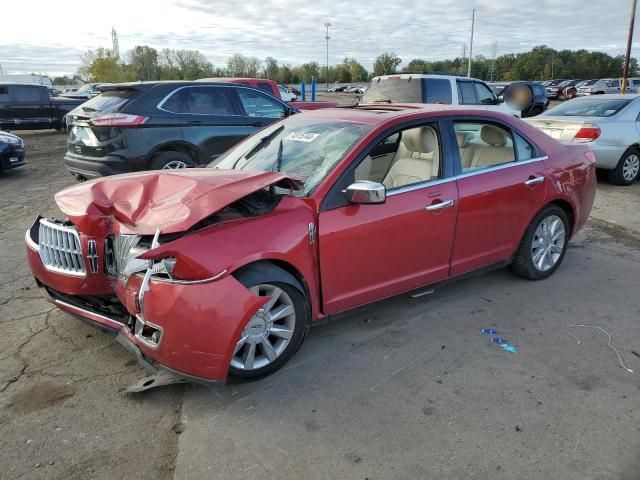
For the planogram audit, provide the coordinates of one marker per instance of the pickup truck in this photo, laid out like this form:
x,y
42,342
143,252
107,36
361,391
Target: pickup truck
x,y
29,107
272,88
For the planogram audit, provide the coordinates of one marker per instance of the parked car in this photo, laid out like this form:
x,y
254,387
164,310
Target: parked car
x,y
608,124
531,98
86,91
29,107
11,151
498,87
434,88
609,85
272,88
556,92
163,125
219,272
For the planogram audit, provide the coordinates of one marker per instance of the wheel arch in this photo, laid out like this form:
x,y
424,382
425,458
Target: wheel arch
x,y
176,146
568,210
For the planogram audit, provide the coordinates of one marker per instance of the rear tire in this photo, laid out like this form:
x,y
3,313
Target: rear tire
x,y
628,169
544,244
171,161
264,340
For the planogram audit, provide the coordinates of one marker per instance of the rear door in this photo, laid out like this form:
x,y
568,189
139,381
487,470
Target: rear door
x,y
31,107
501,185
259,109
210,118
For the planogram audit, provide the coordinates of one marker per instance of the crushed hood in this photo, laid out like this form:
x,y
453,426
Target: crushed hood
x,y
172,201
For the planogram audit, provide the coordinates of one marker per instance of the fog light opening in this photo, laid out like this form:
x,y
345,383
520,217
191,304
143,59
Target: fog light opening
x,y
147,333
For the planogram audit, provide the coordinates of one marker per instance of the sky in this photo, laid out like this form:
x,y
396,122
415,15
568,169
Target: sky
x,y
51,40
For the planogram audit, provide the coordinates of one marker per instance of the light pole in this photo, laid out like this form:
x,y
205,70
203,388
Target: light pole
x,y
327,37
627,57
473,23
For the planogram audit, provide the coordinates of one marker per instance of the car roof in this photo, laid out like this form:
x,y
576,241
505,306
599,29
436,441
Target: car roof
x,y
149,84
609,96
380,113
422,75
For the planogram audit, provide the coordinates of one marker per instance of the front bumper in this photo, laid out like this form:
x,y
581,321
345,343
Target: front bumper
x,y
11,156
199,322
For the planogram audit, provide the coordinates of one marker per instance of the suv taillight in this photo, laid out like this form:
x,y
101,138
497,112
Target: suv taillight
x,y
587,133
118,120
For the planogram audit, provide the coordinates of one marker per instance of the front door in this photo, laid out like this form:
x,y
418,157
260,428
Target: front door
x,y
369,252
501,184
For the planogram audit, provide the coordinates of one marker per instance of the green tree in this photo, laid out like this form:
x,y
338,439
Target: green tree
x,y
143,61
101,65
270,68
386,63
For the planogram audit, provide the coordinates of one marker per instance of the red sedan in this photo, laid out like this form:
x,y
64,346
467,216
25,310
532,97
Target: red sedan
x,y
218,272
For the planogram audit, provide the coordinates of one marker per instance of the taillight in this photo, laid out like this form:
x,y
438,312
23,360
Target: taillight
x,y
118,120
587,133
590,156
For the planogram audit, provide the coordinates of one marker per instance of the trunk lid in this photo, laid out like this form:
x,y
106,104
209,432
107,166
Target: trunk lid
x,y
561,128
172,201
83,138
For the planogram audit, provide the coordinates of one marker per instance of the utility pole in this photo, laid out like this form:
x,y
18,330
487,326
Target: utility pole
x,y
327,37
473,22
464,57
492,75
627,57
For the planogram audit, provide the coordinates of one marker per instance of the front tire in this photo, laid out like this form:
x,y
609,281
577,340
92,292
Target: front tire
x,y
543,246
627,170
274,333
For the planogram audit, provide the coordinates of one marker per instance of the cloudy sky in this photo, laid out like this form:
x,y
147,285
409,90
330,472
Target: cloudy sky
x,y
51,40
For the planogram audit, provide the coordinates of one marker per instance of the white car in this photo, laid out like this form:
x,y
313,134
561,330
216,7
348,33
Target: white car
x,y
433,88
286,95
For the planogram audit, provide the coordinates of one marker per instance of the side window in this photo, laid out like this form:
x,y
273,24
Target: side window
x,y
437,90
26,94
206,101
404,158
524,150
615,84
4,94
483,145
257,104
264,87
484,94
466,93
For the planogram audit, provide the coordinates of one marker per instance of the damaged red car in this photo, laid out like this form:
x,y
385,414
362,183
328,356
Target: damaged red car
x,y
216,272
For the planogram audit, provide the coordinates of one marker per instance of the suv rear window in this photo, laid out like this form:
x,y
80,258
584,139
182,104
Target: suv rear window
x,y
394,90
110,101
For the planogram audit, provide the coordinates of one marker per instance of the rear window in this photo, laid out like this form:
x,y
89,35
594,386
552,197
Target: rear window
x,y
589,108
110,101
437,90
394,90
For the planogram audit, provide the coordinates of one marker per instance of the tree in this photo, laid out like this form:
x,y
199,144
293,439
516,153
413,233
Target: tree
x,y
385,64
270,68
101,66
240,66
143,60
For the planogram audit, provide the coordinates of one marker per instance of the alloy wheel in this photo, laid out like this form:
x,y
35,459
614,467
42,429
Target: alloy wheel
x,y
174,165
631,167
548,243
268,332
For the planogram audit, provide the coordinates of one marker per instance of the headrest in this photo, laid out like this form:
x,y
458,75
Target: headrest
x,y
420,139
493,136
463,139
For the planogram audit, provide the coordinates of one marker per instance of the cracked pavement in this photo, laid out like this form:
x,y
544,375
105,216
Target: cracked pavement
x,y
63,409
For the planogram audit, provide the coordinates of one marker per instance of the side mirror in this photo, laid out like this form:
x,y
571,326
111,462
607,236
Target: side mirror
x,y
366,192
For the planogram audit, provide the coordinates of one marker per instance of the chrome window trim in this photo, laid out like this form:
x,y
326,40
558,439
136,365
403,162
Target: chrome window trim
x,y
430,183
159,106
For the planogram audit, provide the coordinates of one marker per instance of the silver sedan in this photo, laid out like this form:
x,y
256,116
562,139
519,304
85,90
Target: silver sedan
x,y
608,123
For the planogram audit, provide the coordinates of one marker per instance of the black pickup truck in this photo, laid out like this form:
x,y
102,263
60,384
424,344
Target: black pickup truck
x,y
29,107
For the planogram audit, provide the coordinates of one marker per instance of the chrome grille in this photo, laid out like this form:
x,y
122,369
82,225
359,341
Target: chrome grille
x,y
60,249
125,249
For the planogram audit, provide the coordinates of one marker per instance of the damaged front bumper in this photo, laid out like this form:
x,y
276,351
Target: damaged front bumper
x,y
187,329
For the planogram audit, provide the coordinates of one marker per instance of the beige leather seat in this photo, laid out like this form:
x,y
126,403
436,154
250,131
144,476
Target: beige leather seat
x,y
466,149
417,158
495,152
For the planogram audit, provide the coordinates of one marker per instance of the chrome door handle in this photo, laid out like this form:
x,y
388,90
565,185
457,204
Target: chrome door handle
x,y
439,206
534,181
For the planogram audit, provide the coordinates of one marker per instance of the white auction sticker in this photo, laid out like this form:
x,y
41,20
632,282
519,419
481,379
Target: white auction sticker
x,y
302,137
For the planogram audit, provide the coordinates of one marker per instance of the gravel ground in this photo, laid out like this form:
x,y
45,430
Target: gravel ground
x,y
63,412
